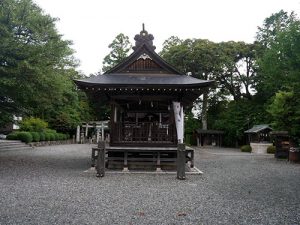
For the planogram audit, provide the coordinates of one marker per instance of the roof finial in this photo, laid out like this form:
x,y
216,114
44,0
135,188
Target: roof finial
x,y
143,38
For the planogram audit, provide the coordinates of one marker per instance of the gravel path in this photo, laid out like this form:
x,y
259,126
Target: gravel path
x,y
48,185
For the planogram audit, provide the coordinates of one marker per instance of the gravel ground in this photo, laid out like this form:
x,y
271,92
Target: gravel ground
x,y
48,185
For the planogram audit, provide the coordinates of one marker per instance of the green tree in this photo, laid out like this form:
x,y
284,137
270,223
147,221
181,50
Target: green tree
x,y
237,116
237,70
197,57
37,66
285,110
273,25
120,48
231,64
279,62
279,75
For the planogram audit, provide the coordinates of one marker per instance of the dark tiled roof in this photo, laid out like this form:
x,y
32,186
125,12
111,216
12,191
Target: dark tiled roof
x,y
143,79
258,128
200,131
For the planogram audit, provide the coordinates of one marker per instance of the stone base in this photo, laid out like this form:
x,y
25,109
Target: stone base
x,y
260,148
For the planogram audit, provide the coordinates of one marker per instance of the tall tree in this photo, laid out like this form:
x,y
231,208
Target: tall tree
x,y
280,60
285,112
273,25
279,74
231,64
196,57
237,70
36,64
120,48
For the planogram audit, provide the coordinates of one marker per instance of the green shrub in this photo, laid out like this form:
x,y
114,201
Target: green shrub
x,y
50,131
47,136
271,149
35,136
64,137
42,136
61,136
67,136
52,136
246,148
56,135
13,136
33,124
25,136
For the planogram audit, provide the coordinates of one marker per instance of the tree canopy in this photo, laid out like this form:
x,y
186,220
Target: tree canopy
x,y
279,74
120,48
36,67
255,82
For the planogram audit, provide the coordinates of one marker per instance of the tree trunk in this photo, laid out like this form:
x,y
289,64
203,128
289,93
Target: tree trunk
x,y
204,110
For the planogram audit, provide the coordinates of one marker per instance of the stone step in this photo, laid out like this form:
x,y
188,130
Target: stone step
x,y
16,149
13,145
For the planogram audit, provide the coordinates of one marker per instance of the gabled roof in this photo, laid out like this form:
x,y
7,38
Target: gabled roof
x,y
144,72
144,52
258,128
143,67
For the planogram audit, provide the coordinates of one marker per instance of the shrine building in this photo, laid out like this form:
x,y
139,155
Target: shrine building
x,y
147,97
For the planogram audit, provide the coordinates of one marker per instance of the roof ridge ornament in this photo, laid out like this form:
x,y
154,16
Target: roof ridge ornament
x,y
144,38
144,56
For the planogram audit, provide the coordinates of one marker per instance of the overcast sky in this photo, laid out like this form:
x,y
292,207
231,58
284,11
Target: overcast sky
x,y
93,24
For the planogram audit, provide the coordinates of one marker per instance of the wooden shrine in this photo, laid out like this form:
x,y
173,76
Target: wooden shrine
x,y
147,97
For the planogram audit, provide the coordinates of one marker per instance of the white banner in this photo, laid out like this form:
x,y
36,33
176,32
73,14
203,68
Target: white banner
x,y
179,120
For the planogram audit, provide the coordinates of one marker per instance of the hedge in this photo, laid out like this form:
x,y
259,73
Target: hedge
x,y
42,136
271,149
35,136
25,136
13,136
246,148
52,136
33,124
47,136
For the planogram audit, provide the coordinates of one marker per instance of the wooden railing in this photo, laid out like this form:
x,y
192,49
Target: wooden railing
x,y
146,133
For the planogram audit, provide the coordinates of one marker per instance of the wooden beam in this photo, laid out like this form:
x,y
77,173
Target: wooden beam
x,y
100,166
181,161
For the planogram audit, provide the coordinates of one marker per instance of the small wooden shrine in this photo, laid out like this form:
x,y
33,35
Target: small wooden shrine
x,y
209,137
147,97
259,133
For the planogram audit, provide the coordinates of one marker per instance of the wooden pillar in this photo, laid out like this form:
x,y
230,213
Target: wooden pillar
x,y
114,136
200,139
100,166
181,161
115,113
158,168
102,131
125,168
192,158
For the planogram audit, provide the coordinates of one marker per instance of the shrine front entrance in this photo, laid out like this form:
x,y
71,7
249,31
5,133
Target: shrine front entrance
x,y
142,123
